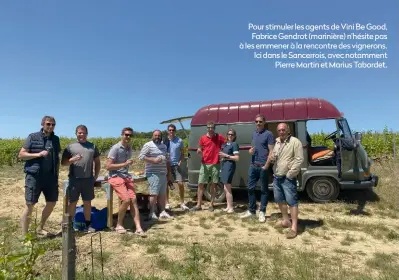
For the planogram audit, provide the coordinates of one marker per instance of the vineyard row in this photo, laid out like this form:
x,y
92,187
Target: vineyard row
x,y
376,144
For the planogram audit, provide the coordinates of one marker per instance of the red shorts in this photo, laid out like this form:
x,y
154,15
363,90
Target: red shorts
x,y
124,187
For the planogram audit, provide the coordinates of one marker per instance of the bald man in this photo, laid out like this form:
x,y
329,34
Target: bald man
x,y
154,153
287,158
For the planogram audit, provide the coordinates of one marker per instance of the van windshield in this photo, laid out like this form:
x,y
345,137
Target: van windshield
x,y
344,126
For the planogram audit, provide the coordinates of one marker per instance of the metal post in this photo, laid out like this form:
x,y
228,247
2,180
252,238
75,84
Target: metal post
x,y
68,249
394,147
92,255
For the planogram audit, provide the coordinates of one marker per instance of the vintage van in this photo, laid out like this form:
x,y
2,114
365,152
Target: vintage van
x,y
324,172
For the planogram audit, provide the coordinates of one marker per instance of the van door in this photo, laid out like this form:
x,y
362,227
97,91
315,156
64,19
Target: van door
x,y
184,167
346,142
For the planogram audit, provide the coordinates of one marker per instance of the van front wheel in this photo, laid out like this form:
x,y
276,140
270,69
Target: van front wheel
x,y
322,189
220,195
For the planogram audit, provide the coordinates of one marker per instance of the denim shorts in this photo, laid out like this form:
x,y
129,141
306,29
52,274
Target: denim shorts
x,y
285,190
177,173
157,183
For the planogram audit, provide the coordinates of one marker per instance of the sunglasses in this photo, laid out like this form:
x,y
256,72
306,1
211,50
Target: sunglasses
x,y
128,135
259,121
171,130
230,134
50,124
210,127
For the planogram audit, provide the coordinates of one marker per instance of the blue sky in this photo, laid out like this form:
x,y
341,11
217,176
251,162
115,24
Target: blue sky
x,y
110,64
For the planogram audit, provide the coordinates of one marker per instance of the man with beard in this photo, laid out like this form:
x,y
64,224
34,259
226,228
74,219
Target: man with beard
x,y
118,163
154,153
41,153
80,156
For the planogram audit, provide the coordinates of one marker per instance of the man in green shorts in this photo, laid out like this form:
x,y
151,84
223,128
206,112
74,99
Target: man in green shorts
x,y
209,146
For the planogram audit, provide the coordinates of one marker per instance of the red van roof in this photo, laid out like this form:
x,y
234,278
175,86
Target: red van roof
x,y
273,110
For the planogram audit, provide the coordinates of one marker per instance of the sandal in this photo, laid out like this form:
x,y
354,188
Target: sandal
x,y
195,208
140,233
281,224
42,233
291,234
120,230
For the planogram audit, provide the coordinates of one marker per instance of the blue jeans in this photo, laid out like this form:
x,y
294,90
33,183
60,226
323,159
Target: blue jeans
x,y
285,190
256,173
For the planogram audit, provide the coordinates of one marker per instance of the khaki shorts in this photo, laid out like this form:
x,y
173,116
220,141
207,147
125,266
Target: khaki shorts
x,y
209,173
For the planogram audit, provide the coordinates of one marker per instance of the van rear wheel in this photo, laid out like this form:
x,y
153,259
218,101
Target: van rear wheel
x,y
322,189
220,195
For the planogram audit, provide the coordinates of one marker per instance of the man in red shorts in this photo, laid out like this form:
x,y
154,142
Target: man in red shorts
x,y
118,162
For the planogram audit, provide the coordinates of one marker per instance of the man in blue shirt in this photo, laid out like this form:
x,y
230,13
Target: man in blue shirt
x,y
175,148
262,144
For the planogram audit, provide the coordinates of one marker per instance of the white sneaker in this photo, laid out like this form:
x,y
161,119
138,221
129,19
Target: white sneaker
x,y
247,214
262,217
167,206
184,207
152,216
90,229
165,215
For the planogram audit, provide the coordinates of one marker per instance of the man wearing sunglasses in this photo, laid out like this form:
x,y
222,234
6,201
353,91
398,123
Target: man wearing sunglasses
x,y
209,147
262,145
118,163
175,148
41,154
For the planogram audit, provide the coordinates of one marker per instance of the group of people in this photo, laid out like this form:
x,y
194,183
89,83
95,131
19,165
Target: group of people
x,y
41,152
285,154
163,161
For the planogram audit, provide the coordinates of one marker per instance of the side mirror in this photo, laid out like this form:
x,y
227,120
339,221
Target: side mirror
x,y
358,136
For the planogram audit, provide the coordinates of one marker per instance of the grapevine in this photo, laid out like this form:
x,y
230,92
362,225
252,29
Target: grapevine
x,y
376,144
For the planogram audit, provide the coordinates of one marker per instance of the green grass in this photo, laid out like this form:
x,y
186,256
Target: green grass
x,y
376,230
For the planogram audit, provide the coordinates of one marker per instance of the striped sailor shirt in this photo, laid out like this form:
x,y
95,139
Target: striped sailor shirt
x,y
152,150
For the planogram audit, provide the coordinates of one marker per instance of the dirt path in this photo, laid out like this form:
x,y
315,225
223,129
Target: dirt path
x,y
326,229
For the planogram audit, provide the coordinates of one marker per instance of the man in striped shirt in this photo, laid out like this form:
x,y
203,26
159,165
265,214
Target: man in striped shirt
x,y
154,153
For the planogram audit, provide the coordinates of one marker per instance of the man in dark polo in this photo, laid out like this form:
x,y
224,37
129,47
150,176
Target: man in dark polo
x,y
262,144
80,156
41,153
